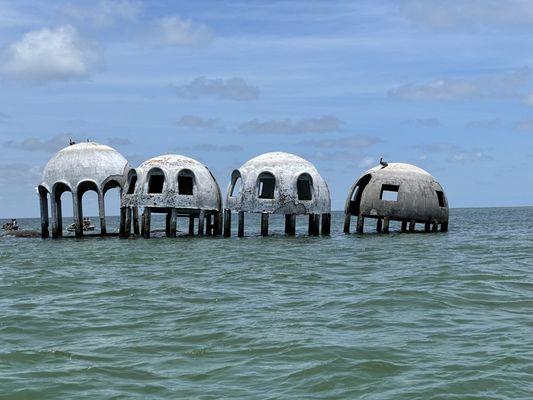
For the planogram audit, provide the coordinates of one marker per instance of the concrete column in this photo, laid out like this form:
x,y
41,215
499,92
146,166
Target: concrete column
x,y
101,213
316,224
444,227
227,222
427,227
43,202
167,224
311,225
379,225
201,223
173,222
360,223
147,219
122,223
77,211
386,222
127,224
412,226
217,223
326,224
240,231
347,218
209,225
404,226
290,224
264,224
53,211
435,227
135,220
191,225
59,213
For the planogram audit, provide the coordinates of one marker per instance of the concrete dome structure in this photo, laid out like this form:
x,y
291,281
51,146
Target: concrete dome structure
x,y
177,186
279,183
397,192
79,168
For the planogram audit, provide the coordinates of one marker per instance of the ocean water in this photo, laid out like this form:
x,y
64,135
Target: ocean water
x,y
398,316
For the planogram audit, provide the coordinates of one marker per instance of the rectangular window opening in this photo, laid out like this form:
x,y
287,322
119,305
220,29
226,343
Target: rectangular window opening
x,y
155,184
304,189
440,196
185,185
389,192
266,188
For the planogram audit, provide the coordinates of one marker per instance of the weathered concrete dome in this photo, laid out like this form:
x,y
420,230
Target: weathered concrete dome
x,y
172,181
400,192
81,162
279,183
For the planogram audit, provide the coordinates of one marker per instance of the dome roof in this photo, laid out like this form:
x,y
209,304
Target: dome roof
x,y
416,195
202,184
286,169
86,161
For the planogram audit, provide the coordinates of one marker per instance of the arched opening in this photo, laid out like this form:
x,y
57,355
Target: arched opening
x,y
236,184
132,181
357,194
59,211
111,194
88,191
43,203
441,198
266,184
185,182
156,181
304,186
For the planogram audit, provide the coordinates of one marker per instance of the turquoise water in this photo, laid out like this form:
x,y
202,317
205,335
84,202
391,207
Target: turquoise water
x,y
399,316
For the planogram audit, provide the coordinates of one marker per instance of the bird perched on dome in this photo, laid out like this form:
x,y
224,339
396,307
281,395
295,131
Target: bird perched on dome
x,y
383,163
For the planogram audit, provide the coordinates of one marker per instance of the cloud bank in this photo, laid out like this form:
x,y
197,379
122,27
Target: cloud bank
x,y
225,89
323,124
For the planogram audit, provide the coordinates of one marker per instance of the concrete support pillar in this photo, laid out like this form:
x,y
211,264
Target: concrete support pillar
x,y
347,219
209,224
227,222
379,225
201,223
59,213
53,211
77,211
147,220
43,202
167,224
217,223
427,227
412,226
127,223
311,225
191,225
290,224
173,222
101,214
326,224
122,222
264,224
404,226
240,230
435,227
386,223
444,227
135,220
360,223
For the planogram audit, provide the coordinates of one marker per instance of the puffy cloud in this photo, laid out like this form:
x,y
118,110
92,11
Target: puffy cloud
x,y
323,124
105,13
227,89
493,86
174,31
197,122
472,14
51,55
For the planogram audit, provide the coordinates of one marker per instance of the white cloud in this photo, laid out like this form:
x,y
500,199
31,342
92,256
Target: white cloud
x,y
491,86
105,13
484,123
174,31
197,122
323,124
471,14
51,55
226,89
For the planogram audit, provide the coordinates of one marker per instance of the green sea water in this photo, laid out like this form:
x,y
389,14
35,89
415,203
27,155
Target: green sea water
x,y
398,316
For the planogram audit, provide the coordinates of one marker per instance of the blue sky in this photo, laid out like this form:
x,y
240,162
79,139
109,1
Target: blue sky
x,y
447,86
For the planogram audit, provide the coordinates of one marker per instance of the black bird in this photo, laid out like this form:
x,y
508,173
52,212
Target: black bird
x,y
383,163
71,142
